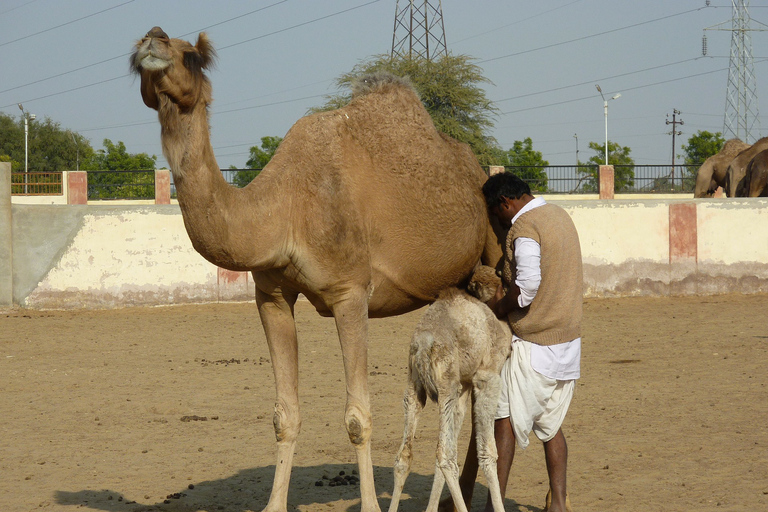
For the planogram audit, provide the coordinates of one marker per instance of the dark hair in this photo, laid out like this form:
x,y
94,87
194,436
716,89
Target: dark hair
x,y
504,184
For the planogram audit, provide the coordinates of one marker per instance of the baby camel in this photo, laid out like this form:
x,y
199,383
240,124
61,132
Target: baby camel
x,y
458,346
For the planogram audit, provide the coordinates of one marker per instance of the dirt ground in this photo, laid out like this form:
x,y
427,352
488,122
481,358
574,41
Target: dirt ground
x,y
671,412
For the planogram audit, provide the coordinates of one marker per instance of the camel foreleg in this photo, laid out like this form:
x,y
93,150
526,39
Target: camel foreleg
x,y
277,318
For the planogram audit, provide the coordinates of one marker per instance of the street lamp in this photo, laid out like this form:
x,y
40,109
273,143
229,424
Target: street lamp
x,y
605,109
576,136
77,147
27,118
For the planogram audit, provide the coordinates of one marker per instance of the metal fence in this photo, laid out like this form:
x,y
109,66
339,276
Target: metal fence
x,y
121,184
36,183
553,179
629,179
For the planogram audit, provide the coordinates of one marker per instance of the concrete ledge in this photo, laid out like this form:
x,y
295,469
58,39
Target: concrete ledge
x,y
111,256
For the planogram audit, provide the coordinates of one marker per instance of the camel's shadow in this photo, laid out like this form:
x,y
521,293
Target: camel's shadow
x,y
249,490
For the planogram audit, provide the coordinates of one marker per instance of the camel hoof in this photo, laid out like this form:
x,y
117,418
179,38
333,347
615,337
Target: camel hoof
x,y
548,502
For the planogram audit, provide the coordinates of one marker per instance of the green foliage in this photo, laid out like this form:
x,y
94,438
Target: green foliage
x,y
115,157
618,156
702,145
120,185
450,90
50,148
259,158
528,164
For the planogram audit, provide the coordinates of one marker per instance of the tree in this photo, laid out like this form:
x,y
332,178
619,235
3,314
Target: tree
x,y
618,156
112,185
259,158
702,145
50,148
450,90
528,164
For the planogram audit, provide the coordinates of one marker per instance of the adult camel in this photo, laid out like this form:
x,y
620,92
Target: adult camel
x,y
756,177
368,211
737,169
711,174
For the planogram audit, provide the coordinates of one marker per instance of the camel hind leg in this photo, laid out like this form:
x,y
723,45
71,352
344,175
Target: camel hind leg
x,y
413,403
486,388
452,407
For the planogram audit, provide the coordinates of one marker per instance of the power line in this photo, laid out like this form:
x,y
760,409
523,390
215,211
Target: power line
x,y
624,89
124,55
29,100
65,24
596,80
299,25
583,38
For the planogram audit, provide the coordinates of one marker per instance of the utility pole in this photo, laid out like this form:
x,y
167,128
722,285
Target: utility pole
x,y
419,30
674,122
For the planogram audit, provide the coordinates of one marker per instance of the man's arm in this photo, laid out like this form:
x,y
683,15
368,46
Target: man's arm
x,y
528,278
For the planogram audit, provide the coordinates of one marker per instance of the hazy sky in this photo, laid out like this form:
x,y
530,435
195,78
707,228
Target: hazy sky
x,y
68,60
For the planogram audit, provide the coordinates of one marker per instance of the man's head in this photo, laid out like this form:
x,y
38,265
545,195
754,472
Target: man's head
x,y
506,194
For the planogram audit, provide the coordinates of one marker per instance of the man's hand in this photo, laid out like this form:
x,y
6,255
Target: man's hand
x,y
502,303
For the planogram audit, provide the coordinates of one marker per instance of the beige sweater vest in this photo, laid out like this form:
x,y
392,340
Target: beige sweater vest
x,y
554,316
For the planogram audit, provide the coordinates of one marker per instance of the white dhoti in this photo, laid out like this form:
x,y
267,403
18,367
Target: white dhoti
x,y
532,401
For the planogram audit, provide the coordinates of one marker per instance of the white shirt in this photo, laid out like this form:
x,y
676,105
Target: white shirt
x,y
561,361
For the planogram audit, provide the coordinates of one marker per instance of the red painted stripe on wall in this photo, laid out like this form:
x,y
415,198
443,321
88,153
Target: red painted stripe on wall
x,y
683,236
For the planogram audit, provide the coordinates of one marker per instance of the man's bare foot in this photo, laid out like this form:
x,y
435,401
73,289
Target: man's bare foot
x,y
548,502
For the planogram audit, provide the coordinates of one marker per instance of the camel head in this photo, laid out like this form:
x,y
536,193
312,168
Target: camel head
x,y
171,70
483,283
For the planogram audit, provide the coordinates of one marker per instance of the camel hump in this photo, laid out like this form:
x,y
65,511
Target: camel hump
x,y
379,81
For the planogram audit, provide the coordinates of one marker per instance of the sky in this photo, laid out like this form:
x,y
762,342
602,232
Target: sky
x,y
68,60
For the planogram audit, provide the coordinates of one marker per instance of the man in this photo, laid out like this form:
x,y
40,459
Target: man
x,y
541,298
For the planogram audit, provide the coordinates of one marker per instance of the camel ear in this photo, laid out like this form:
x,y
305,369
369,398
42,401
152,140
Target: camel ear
x,y
206,51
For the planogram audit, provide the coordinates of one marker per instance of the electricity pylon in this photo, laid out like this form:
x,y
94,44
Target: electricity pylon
x,y
419,30
741,119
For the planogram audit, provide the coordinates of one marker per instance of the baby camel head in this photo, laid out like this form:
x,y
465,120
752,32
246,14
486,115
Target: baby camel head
x,y
484,283
171,70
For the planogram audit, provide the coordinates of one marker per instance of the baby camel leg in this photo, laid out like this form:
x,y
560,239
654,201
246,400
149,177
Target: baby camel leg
x,y
439,479
413,404
451,408
486,394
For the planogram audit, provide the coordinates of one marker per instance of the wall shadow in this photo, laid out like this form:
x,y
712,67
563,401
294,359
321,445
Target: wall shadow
x,y
248,490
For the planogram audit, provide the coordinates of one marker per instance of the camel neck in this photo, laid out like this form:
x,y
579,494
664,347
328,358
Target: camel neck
x,y
209,204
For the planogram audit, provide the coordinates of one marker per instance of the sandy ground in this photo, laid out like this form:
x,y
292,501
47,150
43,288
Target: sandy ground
x,y
671,413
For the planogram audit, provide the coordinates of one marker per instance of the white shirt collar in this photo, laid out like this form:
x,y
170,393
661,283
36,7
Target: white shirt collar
x,y
534,203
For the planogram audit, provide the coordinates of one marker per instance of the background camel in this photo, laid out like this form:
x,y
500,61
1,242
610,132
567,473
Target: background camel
x,y
737,169
368,211
756,177
711,174
458,346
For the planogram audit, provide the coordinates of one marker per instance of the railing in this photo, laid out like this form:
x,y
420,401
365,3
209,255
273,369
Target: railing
x,y
36,183
553,179
628,179
121,184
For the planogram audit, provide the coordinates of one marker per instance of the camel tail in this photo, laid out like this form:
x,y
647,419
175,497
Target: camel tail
x,y
421,362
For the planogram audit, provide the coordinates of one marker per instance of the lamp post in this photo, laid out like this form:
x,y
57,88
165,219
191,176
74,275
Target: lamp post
x,y
605,109
77,148
27,118
576,136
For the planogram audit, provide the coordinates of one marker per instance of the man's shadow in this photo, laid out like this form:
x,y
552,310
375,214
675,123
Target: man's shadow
x,y
249,490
